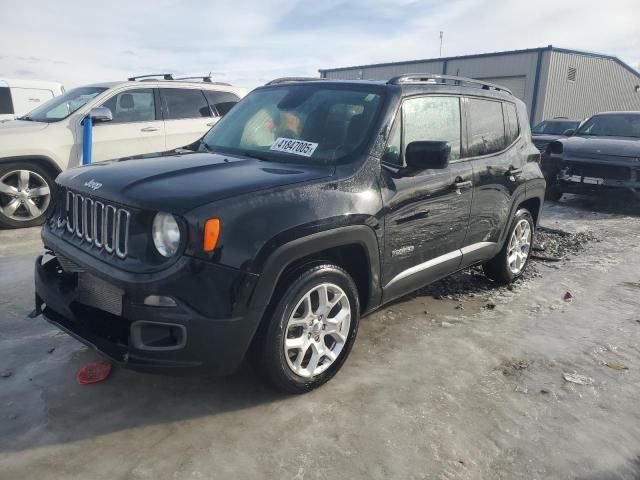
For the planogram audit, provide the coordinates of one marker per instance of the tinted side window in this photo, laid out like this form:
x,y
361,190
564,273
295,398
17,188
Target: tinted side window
x,y
222,102
6,105
132,106
486,130
184,103
433,118
512,127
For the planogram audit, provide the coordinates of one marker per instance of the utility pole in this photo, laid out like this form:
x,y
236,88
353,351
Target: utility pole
x,y
441,35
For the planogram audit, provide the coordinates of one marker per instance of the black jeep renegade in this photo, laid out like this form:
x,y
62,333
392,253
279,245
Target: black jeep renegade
x,y
309,205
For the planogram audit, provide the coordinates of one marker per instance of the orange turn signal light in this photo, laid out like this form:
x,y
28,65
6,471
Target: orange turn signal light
x,y
211,234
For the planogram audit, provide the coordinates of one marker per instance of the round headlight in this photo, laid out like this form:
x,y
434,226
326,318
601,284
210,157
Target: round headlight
x,y
166,234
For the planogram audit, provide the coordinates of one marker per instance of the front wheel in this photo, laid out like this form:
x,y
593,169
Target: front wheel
x,y
25,194
311,330
510,263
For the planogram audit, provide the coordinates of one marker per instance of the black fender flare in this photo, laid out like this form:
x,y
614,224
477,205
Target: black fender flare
x,y
305,246
522,196
43,160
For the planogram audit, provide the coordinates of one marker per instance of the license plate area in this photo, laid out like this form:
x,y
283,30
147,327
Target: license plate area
x,y
95,292
587,180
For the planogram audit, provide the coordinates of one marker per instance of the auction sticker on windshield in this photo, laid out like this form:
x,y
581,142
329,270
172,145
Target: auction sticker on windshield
x,y
297,147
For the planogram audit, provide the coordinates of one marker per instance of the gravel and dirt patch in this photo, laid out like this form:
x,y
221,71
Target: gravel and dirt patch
x,y
549,245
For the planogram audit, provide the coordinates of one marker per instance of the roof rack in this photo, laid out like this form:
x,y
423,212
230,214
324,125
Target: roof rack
x,y
165,76
447,80
204,79
293,79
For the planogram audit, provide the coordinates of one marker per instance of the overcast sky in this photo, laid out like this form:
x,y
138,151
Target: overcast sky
x,y
248,42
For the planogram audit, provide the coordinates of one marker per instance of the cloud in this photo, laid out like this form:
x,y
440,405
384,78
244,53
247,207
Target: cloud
x,y
254,41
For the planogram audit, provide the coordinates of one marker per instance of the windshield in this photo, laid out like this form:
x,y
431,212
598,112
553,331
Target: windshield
x,y
554,127
612,125
63,106
312,123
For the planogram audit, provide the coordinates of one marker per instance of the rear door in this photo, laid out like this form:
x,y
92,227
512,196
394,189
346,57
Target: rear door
x,y
187,115
497,173
136,128
426,212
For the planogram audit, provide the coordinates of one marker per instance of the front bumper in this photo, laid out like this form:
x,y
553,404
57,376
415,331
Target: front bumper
x,y
591,176
177,339
594,185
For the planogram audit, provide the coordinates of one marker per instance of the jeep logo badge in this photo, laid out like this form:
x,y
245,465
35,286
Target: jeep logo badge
x,y
92,184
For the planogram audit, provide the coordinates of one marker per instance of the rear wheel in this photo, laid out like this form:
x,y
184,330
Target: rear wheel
x,y
510,263
311,330
25,194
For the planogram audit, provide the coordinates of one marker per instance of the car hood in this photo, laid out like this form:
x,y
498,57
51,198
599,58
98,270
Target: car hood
x,y
602,146
13,127
179,183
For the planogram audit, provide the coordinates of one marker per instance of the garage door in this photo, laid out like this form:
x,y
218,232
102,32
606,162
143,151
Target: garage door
x,y
516,84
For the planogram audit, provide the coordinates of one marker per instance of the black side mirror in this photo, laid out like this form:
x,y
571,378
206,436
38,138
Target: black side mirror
x,y
569,132
425,155
100,114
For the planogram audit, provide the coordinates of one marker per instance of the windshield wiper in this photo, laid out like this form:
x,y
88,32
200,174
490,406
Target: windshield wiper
x,y
26,117
257,156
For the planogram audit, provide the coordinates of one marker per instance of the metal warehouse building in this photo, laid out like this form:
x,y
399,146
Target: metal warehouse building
x,y
553,82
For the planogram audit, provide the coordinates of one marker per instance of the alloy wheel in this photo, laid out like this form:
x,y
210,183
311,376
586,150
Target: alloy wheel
x,y
317,330
24,195
519,246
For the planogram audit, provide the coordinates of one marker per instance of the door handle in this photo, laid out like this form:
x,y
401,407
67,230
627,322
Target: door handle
x,y
149,129
461,183
512,171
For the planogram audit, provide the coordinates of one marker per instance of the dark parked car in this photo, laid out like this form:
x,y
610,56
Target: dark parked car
x,y
602,156
550,130
310,204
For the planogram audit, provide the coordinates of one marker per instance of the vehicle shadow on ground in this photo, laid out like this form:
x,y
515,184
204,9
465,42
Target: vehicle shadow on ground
x,y
608,204
63,411
630,470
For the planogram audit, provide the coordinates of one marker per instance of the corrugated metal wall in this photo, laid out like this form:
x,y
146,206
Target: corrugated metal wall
x,y
601,84
385,72
515,71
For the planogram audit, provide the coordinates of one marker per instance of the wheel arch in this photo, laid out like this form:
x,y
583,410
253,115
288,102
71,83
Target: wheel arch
x,y
353,248
41,160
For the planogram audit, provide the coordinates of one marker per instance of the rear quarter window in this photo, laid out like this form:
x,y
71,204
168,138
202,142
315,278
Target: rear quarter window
x,y
512,127
222,102
6,104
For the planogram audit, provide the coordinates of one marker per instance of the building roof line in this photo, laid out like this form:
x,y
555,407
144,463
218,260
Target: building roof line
x,y
491,54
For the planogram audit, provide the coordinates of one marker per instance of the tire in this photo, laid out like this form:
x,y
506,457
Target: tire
x,y
501,269
553,193
302,323
25,188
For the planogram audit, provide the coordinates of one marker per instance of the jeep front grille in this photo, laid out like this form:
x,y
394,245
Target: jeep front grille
x,y
102,225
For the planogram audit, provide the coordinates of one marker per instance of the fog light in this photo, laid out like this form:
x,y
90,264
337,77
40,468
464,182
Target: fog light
x,y
159,301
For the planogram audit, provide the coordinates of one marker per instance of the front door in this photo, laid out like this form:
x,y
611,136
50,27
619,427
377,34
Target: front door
x,y
426,212
136,127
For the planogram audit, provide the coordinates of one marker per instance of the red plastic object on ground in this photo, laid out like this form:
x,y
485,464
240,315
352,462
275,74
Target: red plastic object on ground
x,y
94,372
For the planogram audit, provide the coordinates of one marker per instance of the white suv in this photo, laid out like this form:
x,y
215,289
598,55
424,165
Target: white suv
x,y
144,117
